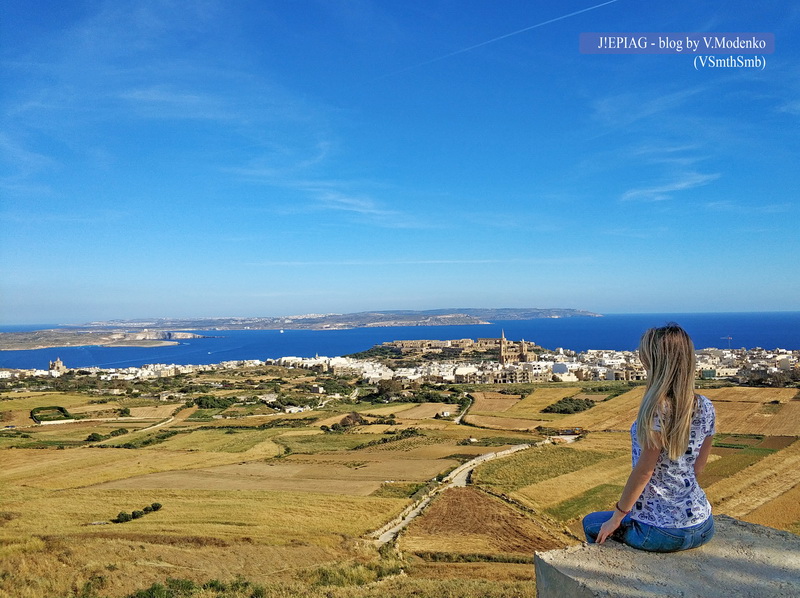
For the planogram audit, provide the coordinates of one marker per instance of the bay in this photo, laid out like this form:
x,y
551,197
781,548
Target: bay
x,y
769,330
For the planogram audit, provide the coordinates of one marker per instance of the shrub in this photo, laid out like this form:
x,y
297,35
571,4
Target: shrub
x,y
94,437
214,584
156,506
122,517
569,405
182,586
148,509
137,514
212,402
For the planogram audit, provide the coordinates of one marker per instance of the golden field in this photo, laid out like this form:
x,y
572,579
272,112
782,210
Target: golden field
x,y
273,499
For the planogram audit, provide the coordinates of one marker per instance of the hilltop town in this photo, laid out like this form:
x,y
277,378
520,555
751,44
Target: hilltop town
x,y
480,361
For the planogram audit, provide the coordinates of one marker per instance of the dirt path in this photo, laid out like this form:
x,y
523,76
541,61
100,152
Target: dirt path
x,y
456,478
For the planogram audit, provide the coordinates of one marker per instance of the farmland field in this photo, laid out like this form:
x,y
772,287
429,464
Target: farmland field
x,y
227,441
507,423
428,410
615,414
534,465
531,406
489,403
156,412
468,521
275,499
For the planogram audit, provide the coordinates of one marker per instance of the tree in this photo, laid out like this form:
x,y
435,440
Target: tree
x,y
389,388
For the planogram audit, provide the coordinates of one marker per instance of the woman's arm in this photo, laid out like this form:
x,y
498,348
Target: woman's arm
x,y
638,479
702,456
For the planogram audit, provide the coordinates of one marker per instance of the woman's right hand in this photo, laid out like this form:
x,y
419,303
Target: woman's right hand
x,y
609,527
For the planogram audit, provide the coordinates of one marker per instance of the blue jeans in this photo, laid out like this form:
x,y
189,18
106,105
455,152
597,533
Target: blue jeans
x,y
649,537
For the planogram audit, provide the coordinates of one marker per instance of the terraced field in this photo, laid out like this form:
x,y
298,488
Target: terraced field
x,y
274,497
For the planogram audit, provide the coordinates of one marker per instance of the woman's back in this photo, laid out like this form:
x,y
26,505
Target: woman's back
x,y
672,498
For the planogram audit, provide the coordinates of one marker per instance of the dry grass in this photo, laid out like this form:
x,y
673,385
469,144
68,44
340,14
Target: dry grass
x,y
555,490
489,571
251,443
506,423
275,518
406,445
428,410
357,476
111,406
615,414
74,468
739,410
488,403
531,406
468,521
613,443
154,412
49,550
28,400
393,409
533,466
782,512
758,484
738,394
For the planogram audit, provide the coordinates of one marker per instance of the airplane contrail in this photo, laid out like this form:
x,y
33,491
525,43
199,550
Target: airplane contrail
x,y
496,39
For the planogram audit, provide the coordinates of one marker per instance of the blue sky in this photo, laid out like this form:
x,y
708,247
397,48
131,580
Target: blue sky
x,y
269,158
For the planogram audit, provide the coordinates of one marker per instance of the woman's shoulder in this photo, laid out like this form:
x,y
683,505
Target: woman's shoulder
x,y
704,404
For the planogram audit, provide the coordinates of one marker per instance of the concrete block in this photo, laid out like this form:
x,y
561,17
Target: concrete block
x,y
743,560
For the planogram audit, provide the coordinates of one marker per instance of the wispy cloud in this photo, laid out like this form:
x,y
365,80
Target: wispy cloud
x,y
682,182
791,107
162,102
737,208
622,110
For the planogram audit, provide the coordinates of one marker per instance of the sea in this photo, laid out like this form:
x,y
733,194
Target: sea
x,y
768,330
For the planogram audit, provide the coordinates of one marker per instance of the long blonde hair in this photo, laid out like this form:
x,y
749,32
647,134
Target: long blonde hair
x,y
667,354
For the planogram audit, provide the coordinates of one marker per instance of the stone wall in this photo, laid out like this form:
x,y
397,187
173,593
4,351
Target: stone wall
x,y
742,560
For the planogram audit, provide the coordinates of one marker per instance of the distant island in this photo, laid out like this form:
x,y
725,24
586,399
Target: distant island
x,y
68,337
163,331
364,319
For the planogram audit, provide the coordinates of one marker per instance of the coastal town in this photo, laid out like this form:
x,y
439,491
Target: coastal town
x,y
481,361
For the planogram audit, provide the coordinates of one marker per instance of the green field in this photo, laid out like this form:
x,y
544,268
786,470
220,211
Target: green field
x,y
534,465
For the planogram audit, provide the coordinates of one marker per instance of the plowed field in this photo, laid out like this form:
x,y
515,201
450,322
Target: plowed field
x,y
158,411
492,402
468,521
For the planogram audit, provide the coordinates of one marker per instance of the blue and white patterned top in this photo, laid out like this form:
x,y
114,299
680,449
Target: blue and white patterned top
x,y
672,497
